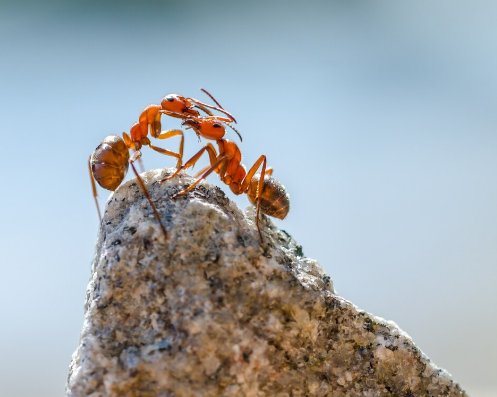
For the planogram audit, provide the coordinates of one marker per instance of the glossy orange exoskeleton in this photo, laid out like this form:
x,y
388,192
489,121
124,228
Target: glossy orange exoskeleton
x,y
268,194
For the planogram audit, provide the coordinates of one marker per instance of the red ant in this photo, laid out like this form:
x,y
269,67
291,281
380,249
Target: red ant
x,y
108,164
268,194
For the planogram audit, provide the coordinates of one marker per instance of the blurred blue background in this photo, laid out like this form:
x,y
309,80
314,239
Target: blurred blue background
x,y
379,117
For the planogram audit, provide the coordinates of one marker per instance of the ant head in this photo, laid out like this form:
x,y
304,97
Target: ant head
x,y
207,127
178,104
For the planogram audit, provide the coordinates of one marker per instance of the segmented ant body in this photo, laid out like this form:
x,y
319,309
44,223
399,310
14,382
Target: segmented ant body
x,y
109,162
266,193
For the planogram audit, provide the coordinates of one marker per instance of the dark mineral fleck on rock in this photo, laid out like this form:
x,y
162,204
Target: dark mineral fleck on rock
x,y
209,311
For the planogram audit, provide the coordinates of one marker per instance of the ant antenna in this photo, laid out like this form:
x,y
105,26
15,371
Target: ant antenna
x,y
234,129
203,108
218,104
211,97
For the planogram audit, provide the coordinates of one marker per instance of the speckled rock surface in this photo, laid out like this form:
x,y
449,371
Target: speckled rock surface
x,y
210,312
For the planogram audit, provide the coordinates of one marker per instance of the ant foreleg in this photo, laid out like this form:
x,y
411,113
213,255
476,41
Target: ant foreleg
x,y
171,133
190,163
222,160
172,114
146,142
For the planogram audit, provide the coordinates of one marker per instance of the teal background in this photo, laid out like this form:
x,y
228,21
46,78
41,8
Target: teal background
x,y
379,117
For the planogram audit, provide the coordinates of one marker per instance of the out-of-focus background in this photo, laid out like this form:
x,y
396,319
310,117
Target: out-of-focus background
x,y
379,117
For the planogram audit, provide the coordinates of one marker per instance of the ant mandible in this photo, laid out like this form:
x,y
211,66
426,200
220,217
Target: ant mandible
x,y
267,193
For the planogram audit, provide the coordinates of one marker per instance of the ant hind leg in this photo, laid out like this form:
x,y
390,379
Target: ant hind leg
x,y
94,187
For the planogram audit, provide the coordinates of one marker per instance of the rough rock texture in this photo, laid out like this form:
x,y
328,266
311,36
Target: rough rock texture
x,y
210,312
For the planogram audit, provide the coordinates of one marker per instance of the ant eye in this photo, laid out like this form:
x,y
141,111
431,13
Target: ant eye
x,y
216,125
170,98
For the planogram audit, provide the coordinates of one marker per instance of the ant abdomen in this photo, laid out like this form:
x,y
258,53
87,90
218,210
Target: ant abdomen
x,y
109,162
274,200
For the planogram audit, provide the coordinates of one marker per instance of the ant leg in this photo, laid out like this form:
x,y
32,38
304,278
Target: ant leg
x,y
182,116
140,163
201,171
134,157
251,172
248,179
156,126
127,141
171,133
94,187
190,163
222,160
172,114
165,152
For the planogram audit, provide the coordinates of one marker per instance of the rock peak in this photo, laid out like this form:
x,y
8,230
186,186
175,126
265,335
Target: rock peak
x,y
210,311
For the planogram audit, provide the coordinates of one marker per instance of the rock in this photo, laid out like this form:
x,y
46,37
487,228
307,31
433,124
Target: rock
x,y
210,311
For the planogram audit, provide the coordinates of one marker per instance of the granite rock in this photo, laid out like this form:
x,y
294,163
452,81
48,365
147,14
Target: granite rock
x,y
210,311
